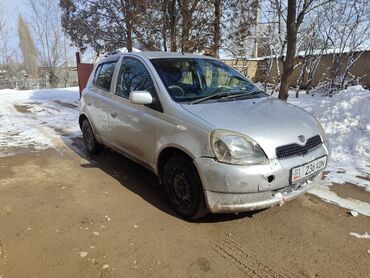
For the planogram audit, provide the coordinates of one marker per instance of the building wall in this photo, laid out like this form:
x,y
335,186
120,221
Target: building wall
x,y
255,69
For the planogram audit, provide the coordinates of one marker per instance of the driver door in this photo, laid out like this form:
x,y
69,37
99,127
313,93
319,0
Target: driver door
x,y
133,126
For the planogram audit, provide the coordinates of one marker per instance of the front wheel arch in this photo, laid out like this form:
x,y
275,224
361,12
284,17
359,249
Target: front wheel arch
x,y
195,192
165,155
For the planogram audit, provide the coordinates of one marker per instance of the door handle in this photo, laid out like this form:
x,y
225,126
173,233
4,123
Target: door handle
x,y
113,114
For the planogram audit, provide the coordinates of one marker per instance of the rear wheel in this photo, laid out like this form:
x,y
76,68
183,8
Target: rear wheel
x,y
91,144
184,187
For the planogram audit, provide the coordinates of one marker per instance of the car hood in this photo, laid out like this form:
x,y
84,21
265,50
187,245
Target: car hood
x,y
269,121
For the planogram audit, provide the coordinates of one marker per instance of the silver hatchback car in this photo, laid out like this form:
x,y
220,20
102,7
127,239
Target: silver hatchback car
x,y
216,142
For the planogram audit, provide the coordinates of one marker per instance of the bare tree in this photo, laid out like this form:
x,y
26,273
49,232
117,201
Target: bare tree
x,y
216,28
347,30
312,47
271,49
337,29
194,24
272,39
3,41
240,26
8,53
172,19
106,25
294,20
53,49
128,11
187,25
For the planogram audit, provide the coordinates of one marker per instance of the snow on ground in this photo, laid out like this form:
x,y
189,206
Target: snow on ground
x,y
346,120
36,118
322,190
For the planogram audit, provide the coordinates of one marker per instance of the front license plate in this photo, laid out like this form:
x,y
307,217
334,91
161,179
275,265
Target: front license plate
x,y
305,170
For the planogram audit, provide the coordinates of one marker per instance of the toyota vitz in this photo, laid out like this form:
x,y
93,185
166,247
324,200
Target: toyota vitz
x,y
216,142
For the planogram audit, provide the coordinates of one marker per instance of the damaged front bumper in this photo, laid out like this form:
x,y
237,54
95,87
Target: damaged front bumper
x,y
237,188
230,203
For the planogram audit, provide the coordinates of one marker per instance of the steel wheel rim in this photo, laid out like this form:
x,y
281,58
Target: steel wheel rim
x,y
88,137
182,189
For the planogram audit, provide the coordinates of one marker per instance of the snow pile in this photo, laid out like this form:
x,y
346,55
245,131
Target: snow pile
x,y
36,119
346,120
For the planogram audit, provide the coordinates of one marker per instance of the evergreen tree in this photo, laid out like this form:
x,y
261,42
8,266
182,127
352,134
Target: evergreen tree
x,y
28,48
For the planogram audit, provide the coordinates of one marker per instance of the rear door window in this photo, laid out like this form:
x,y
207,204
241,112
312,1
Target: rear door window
x,y
103,75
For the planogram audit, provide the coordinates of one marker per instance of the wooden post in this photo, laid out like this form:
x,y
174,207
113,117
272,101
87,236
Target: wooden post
x,y
78,62
78,58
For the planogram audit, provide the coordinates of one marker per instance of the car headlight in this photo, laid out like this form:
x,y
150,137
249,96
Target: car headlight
x,y
235,148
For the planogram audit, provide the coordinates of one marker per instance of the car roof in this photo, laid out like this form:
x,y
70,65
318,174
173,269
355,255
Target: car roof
x,y
163,54
154,55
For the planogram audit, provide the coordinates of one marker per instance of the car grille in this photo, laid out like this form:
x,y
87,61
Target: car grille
x,y
295,149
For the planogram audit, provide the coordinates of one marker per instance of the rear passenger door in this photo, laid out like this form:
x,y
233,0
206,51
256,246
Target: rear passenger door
x,y
99,98
133,127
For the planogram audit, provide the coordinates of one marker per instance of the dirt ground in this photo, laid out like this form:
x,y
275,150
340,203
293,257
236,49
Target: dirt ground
x,y
66,214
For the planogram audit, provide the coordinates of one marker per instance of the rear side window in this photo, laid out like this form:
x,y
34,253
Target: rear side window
x,y
103,75
133,76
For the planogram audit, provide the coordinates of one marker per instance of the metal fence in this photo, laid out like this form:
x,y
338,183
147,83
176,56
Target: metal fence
x,y
25,83
22,83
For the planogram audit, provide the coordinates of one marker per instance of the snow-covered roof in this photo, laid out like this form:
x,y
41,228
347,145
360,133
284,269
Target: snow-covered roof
x,y
302,53
125,50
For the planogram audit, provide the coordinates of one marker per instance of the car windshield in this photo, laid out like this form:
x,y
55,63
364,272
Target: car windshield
x,y
198,80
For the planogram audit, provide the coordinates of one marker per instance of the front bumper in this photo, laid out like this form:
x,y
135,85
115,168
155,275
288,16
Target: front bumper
x,y
237,188
225,202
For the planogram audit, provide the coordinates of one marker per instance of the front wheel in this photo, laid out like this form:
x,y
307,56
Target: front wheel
x,y
91,144
184,187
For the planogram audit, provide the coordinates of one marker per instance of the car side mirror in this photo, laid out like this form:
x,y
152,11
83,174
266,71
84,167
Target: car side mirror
x,y
141,97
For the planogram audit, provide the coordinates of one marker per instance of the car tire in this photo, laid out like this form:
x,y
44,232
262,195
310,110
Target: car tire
x,y
184,187
92,146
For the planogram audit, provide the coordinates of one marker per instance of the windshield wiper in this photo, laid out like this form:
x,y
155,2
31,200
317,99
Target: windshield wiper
x,y
226,95
239,94
217,95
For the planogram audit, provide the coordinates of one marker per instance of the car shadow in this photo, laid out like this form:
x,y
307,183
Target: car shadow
x,y
137,178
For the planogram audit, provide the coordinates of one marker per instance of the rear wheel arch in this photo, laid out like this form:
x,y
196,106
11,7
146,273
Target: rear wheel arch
x,y
81,120
91,144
